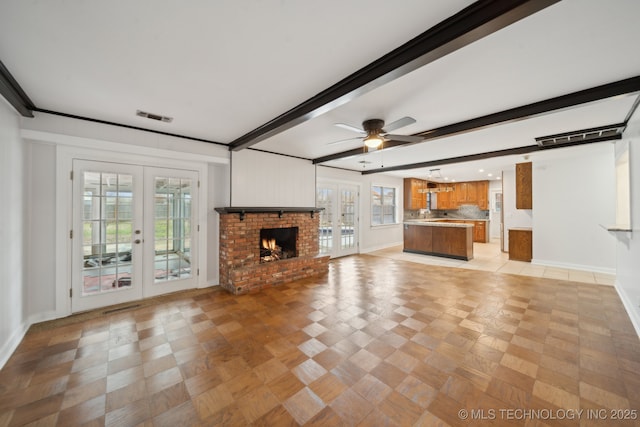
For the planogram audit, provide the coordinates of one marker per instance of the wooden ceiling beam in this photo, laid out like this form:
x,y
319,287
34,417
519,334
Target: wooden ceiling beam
x,y
488,155
476,21
622,87
13,93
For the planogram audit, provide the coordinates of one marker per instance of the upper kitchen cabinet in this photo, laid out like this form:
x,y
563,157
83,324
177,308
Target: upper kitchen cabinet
x,y
524,180
415,194
445,198
483,195
462,192
465,193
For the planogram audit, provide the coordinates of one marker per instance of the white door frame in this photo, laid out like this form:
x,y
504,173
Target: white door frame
x,y
64,186
338,186
150,286
495,217
117,295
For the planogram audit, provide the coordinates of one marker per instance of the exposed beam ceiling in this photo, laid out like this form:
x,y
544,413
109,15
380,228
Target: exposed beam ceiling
x,y
492,154
482,18
622,87
477,78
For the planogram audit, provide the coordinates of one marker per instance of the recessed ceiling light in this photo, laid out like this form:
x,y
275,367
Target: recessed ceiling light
x,y
498,177
490,174
481,170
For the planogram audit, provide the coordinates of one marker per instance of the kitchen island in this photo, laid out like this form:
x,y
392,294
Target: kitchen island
x,y
450,240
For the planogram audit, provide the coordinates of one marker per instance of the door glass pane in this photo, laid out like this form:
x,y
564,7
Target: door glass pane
x,y
324,199
347,219
106,232
172,229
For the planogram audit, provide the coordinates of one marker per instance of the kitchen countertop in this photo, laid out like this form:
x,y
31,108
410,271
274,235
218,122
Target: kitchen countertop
x,y
429,223
455,219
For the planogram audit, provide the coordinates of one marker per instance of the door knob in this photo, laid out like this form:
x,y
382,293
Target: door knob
x,y
137,241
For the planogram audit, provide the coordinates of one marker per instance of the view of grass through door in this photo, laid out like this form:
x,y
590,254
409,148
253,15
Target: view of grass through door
x,y
172,228
134,232
107,231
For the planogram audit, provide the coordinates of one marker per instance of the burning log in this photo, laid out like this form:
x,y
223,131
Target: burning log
x,y
272,251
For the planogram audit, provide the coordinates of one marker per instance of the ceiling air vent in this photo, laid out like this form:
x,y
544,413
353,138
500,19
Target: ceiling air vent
x,y
603,133
152,116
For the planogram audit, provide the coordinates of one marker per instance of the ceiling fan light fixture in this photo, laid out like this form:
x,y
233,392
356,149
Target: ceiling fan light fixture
x,y
373,141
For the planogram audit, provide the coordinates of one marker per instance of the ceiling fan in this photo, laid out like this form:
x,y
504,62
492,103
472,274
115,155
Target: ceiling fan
x,y
375,132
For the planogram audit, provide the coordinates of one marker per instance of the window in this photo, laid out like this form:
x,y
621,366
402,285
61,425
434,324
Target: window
x,y
383,205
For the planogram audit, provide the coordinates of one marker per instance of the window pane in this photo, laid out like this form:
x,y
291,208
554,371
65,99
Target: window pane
x,y
173,228
376,195
383,205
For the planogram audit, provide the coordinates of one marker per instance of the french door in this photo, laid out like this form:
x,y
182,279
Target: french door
x,y
338,233
133,232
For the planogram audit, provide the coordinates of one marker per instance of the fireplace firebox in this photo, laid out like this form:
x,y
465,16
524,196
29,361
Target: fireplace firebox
x,y
278,243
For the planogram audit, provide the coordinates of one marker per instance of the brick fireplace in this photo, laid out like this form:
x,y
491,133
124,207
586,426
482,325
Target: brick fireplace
x,y
241,245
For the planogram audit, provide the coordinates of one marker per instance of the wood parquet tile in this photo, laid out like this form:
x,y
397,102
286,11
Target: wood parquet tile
x,y
375,342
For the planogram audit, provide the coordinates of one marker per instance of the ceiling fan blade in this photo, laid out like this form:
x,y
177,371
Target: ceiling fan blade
x,y
349,127
405,121
404,138
345,140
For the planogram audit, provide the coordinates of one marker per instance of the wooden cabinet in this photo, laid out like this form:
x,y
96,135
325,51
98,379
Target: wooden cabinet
x,y
415,194
418,238
472,193
520,244
479,231
524,180
451,242
455,242
464,193
460,193
444,198
482,188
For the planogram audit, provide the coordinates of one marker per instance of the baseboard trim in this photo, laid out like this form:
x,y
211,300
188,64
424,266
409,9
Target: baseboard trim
x,y
569,266
381,247
12,343
45,317
634,315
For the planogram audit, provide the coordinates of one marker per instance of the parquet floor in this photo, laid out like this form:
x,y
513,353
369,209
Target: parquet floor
x,y
375,342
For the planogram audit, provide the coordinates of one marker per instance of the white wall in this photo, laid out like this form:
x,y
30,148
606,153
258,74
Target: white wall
x,y
269,180
513,217
46,140
573,196
13,299
371,237
69,128
217,196
628,244
41,223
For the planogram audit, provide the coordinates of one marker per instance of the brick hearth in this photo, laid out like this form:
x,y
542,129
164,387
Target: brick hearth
x,y
240,268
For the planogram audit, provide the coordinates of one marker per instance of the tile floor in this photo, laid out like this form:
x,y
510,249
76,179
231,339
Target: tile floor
x,y
488,257
375,342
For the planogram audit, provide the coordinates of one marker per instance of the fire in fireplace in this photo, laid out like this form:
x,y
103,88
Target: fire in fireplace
x,y
278,243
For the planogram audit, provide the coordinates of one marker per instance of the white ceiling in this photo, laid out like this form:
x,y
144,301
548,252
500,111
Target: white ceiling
x,y
223,68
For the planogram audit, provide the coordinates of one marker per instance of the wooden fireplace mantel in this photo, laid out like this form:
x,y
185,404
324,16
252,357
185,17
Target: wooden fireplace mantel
x,y
258,209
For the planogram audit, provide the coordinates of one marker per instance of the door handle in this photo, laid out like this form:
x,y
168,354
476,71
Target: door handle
x,y
137,241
